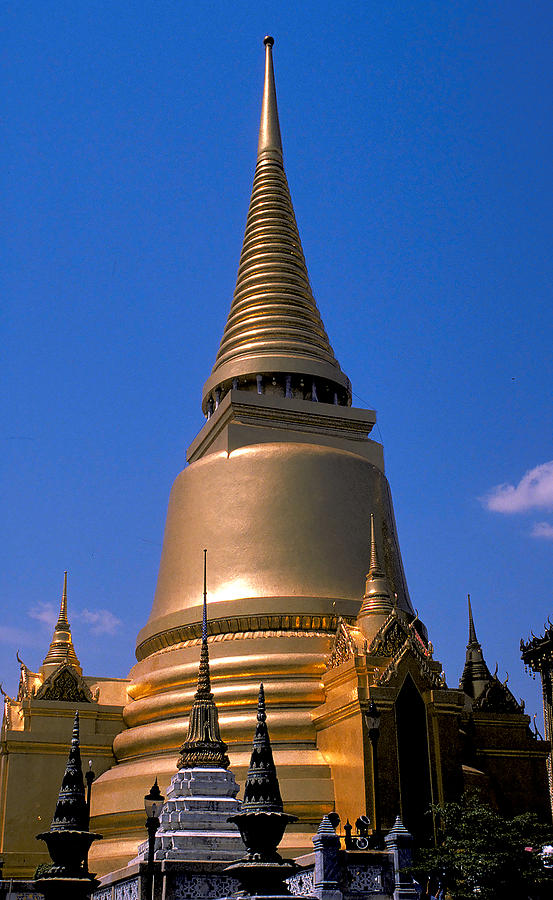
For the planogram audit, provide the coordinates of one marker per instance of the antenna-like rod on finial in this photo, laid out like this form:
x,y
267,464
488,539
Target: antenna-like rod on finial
x,y
472,630
374,566
62,618
269,128
204,619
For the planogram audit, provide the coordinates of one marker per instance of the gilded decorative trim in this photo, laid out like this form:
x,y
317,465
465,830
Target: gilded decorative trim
x,y
242,628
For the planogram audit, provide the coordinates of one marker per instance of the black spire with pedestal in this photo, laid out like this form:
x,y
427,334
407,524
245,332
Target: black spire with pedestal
x,y
69,839
262,820
203,745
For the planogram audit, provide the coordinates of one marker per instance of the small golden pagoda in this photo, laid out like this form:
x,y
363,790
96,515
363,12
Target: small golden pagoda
x,y
36,738
61,651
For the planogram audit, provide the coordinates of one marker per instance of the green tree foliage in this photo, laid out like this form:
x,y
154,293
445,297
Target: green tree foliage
x,y
486,856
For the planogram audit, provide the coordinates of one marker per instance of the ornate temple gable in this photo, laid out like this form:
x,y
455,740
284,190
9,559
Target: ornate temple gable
x,y
395,639
537,655
537,652
398,638
394,633
429,670
65,684
10,706
390,637
497,698
348,643
29,682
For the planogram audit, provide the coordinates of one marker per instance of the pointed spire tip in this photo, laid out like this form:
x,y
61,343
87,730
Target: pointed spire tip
x,y
375,568
204,614
472,630
269,128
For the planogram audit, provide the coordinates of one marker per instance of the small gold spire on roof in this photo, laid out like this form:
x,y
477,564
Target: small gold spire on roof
x,y
378,596
61,648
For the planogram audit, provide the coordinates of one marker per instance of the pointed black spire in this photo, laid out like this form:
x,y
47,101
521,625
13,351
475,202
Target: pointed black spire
x,y
71,811
261,820
262,791
69,839
472,630
203,745
476,675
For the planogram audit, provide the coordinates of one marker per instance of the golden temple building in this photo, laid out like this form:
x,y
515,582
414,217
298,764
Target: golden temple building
x,y
307,594
36,736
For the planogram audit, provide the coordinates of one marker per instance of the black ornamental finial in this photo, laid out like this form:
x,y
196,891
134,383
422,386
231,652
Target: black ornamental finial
x,y
203,745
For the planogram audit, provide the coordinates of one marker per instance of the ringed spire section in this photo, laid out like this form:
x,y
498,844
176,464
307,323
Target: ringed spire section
x,y
274,340
61,648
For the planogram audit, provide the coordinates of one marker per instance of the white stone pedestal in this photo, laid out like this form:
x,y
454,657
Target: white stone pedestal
x,y
193,821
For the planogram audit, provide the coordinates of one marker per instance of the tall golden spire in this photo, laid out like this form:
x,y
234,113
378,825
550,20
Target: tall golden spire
x,y
61,647
274,338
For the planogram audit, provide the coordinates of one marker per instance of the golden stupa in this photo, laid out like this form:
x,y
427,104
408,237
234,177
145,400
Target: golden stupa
x,y
280,486
306,594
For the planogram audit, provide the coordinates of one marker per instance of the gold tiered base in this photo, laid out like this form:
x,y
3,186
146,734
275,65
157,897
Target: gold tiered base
x,y
280,492
291,668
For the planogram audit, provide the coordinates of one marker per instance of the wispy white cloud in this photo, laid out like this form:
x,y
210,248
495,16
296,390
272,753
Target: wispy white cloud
x,y
44,612
543,530
101,621
534,491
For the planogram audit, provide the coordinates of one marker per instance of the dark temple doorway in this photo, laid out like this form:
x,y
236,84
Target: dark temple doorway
x,y
414,770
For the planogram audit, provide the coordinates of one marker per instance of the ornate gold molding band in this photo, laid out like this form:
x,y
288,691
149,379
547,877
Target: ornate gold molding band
x,y
241,628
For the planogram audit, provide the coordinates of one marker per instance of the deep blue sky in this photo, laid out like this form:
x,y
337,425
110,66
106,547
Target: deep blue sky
x,y
418,147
